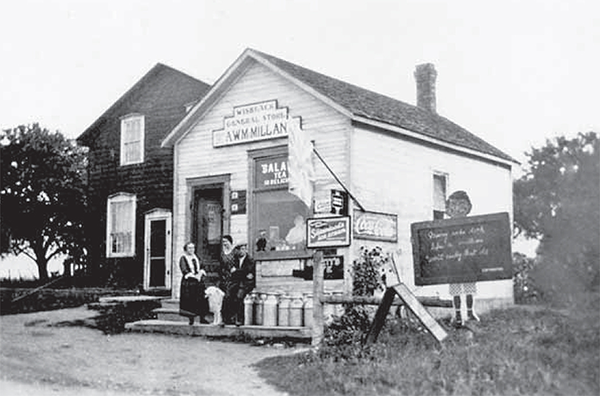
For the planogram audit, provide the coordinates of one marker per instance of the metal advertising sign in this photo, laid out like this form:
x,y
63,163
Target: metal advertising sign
x,y
375,226
328,232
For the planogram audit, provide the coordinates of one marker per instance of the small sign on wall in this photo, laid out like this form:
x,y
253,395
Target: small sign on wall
x,y
375,226
238,202
328,232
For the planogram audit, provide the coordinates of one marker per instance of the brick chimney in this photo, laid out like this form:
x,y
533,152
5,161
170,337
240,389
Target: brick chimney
x,y
425,75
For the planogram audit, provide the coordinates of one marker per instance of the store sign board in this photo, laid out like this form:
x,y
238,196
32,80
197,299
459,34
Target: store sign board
x,y
328,232
468,249
253,122
375,226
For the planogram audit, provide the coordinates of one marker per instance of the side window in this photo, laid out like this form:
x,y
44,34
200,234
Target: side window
x,y
279,222
440,181
132,140
120,225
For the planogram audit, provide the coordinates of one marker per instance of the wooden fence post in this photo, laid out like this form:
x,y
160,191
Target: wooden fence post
x,y
318,321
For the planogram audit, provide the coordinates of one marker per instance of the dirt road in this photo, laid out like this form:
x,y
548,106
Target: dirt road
x,y
40,357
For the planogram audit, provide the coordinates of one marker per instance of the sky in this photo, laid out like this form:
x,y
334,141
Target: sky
x,y
515,73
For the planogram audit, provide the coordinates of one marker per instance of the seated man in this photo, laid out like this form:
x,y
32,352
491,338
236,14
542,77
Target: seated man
x,y
241,283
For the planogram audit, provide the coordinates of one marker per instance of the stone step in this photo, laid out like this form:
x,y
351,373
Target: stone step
x,y
183,328
169,314
170,303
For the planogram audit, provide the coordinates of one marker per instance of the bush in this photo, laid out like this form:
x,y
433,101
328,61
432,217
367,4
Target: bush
x,y
367,271
525,290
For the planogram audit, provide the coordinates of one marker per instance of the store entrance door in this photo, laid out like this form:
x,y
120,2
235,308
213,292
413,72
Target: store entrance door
x,y
208,228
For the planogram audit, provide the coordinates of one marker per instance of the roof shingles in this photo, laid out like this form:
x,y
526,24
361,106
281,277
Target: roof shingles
x,y
368,104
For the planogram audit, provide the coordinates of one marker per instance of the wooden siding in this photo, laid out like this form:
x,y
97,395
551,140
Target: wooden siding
x,y
162,105
395,175
196,157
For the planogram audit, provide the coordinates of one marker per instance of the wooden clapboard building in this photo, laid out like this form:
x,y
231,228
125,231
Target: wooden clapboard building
x,y
398,161
131,179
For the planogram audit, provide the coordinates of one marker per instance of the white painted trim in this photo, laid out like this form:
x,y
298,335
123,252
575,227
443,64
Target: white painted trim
x,y
198,109
120,197
158,214
301,85
124,119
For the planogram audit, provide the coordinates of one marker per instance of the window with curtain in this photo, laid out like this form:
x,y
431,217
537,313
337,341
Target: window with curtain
x,y
439,195
120,225
132,140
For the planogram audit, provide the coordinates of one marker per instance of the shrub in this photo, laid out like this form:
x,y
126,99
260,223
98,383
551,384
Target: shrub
x,y
367,271
525,290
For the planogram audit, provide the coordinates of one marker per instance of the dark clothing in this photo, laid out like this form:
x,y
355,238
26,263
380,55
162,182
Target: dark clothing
x,y
192,299
238,284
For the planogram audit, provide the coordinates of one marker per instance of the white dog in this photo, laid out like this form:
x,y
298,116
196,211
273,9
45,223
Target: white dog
x,y
215,303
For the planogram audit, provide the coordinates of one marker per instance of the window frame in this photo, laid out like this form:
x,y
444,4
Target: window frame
x,y
119,198
254,156
436,212
124,120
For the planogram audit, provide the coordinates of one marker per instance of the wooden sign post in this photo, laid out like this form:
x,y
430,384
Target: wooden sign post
x,y
318,321
396,287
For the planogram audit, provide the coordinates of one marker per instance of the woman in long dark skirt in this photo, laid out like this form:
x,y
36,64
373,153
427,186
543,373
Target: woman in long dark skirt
x,y
192,299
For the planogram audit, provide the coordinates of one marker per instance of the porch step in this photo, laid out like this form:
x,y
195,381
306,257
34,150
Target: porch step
x,y
169,314
170,303
183,328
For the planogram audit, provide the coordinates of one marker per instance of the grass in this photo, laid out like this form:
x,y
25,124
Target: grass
x,y
518,351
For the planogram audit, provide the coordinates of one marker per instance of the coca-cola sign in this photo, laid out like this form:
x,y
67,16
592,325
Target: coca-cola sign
x,y
375,226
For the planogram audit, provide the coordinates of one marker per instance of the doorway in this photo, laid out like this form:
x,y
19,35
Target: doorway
x,y
207,228
157,249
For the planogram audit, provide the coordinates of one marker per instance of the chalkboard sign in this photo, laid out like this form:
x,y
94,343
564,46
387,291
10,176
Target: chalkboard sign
x,y
467,249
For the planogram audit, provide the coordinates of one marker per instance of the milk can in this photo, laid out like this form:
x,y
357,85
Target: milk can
x,y
248,309
308,310
296,305
270,310
284,311
258,309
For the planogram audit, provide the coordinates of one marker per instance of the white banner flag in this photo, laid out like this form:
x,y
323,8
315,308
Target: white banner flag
x,y
300,166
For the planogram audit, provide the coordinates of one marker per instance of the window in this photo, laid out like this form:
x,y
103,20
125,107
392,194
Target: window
x,y
278,227
439,195
132,140
120,225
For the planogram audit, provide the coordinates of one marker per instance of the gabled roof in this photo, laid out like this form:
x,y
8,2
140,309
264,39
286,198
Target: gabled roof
x,y
358,103
180,85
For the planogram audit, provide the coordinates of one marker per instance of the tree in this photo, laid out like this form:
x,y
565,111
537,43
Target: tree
x,y
557,202
42,195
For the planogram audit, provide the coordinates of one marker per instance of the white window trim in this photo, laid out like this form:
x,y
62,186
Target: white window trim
x,y
446,177
124,119
120,197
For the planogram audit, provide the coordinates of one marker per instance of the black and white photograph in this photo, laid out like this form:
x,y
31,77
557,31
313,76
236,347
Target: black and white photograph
x,y
299,197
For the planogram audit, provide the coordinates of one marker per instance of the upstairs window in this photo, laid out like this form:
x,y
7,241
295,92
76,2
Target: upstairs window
x,y
120,225
440,182
132,139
